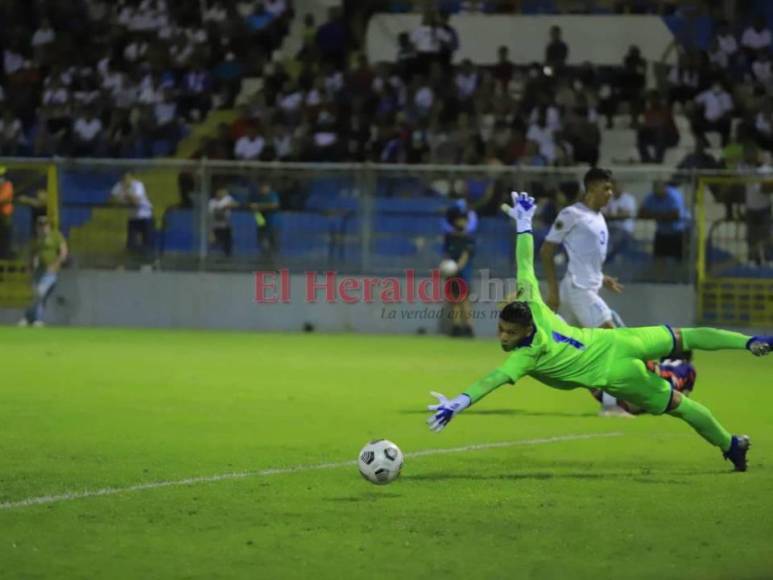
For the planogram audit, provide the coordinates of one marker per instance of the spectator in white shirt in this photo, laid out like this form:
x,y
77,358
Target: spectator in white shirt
x,y
540,133
761,68
466,80
220,207
713,114
195,100
316,96
550,112
756,37
249,146
43,36
135,51
11,134
283,143
131,191
275,7
726,39
724,46
165,115
423,97
215,14
56,106
290,102
763,124
13,61
87,135
621,220
429,39
683,80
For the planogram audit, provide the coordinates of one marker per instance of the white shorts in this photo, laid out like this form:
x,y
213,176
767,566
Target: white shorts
x,y
582,306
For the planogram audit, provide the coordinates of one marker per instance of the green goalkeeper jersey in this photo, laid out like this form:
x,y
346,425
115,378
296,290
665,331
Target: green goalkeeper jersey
x,y
559,355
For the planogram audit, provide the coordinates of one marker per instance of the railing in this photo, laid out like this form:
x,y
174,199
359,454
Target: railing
x,y
364,218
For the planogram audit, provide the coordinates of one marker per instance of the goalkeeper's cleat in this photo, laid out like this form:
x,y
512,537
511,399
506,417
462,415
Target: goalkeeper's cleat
x,y
739,447
760,345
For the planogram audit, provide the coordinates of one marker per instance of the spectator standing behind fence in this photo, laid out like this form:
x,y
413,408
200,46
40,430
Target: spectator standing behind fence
x,y
621,220
220,207
759,196
49,251
139,235
666,206
264,203
6,215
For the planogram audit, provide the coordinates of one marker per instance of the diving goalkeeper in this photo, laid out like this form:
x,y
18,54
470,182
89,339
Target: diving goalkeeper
x,y
543,346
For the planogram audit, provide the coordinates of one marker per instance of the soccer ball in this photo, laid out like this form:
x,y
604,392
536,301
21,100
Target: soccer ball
x,y
380,461
448,268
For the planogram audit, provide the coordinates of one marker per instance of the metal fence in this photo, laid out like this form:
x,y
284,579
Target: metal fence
x,y
354,218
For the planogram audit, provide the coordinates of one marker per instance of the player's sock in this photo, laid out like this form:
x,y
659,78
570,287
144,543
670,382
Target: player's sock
x,y
701,419
713,339
608,400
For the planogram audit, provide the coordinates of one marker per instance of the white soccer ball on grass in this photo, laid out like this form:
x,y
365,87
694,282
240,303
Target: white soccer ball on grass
x,y
380,461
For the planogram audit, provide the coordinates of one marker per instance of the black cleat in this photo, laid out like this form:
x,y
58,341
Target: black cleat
x,y
739,447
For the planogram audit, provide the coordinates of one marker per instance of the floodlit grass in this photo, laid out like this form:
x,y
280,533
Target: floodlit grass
x,y
91,409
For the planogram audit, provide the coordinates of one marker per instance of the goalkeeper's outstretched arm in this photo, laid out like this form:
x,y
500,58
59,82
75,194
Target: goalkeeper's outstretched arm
x,y
522,211
446,409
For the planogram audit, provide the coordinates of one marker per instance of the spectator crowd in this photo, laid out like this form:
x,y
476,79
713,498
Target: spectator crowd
x,y
124,78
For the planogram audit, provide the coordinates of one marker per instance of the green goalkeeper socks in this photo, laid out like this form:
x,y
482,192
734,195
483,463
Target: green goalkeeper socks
x,y
712,339
701,419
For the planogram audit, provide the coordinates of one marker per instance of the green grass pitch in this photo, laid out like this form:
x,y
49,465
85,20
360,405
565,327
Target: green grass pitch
x,y
90,409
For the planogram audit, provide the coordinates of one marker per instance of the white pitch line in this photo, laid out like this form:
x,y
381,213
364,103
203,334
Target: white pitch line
x,y
49,499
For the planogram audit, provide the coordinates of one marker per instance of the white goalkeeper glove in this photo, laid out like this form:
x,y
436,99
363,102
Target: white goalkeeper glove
x,y
445,410
522,210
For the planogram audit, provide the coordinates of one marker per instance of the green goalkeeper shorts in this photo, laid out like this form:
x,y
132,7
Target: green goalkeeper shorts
x,y
627,376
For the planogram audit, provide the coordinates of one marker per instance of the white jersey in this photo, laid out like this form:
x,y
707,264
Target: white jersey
x,y
136,190
584,234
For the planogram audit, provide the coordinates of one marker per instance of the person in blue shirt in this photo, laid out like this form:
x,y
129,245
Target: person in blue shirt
x,y
666,206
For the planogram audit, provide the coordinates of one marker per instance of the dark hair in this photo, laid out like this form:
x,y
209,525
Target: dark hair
x,y
517,313
595,174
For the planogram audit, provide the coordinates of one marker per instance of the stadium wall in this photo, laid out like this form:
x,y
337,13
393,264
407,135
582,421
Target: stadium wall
x,y
227,301
600,39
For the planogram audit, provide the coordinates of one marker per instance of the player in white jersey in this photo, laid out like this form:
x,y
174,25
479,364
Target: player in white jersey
x,y
582,230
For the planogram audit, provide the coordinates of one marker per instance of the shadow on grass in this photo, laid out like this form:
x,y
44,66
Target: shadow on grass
x,y
368,496
662,478
508,413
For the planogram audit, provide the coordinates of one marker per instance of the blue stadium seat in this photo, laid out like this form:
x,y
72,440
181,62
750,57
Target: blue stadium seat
x,y
330,203
476,188
419,205
392,246
399,187
496,227
332,186
179,231
244,232
407,225
306,234
86,185
70,217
